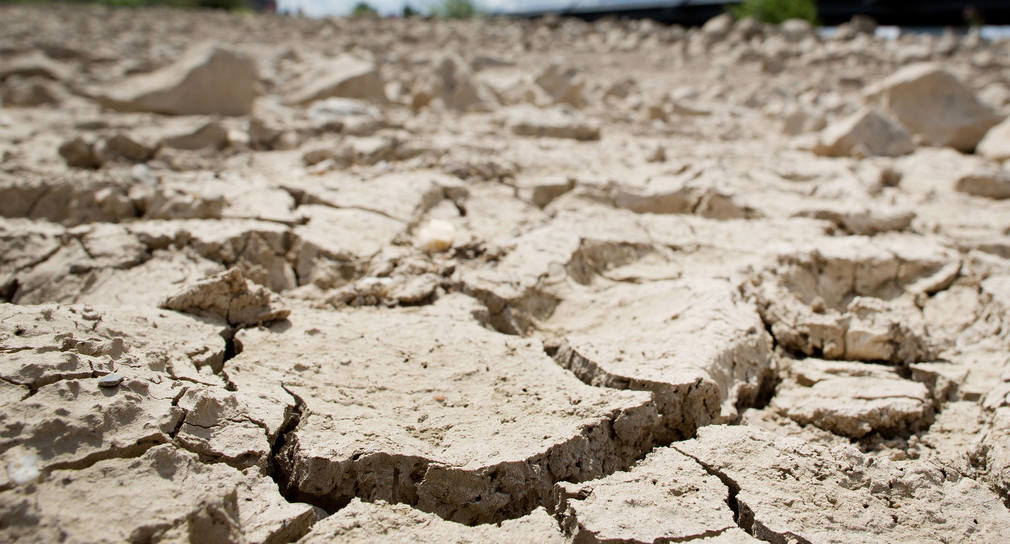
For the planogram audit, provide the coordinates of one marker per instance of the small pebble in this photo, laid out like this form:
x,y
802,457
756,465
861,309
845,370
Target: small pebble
x,y
110,380
437,235
24,469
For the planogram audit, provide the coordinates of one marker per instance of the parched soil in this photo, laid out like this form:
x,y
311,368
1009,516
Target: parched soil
x,y
267,279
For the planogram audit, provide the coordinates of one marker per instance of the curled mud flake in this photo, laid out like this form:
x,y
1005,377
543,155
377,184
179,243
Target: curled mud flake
x,y
853,399
489,450
784,485
695,345
666,497
361,521
853,299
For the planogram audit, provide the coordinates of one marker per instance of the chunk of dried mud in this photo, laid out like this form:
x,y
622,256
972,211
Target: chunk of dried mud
x,y
428,408
230,297
789,490
379,521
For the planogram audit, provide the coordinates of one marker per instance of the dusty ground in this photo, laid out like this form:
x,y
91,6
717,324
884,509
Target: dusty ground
x,y
277,280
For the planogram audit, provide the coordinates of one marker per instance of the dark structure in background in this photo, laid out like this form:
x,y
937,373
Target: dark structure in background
x,y
266,6
832,12
916,12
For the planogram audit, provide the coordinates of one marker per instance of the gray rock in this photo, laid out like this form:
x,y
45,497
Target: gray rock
x,y
110,380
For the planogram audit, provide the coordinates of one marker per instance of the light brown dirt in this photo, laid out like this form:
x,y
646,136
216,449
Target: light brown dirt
x,y
269,279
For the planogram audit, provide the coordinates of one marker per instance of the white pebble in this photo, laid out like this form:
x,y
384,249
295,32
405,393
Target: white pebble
x,y
24,469
436,235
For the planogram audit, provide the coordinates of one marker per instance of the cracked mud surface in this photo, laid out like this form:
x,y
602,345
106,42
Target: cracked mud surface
x,y
275,280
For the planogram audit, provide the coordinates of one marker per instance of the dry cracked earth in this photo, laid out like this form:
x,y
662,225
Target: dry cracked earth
x,y
272,279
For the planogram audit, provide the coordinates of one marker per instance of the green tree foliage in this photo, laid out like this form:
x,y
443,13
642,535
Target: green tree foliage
x,y
457,9
972,17
409,11
362,9
776,11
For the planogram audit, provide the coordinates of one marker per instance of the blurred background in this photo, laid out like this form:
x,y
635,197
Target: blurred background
x,y
919,13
